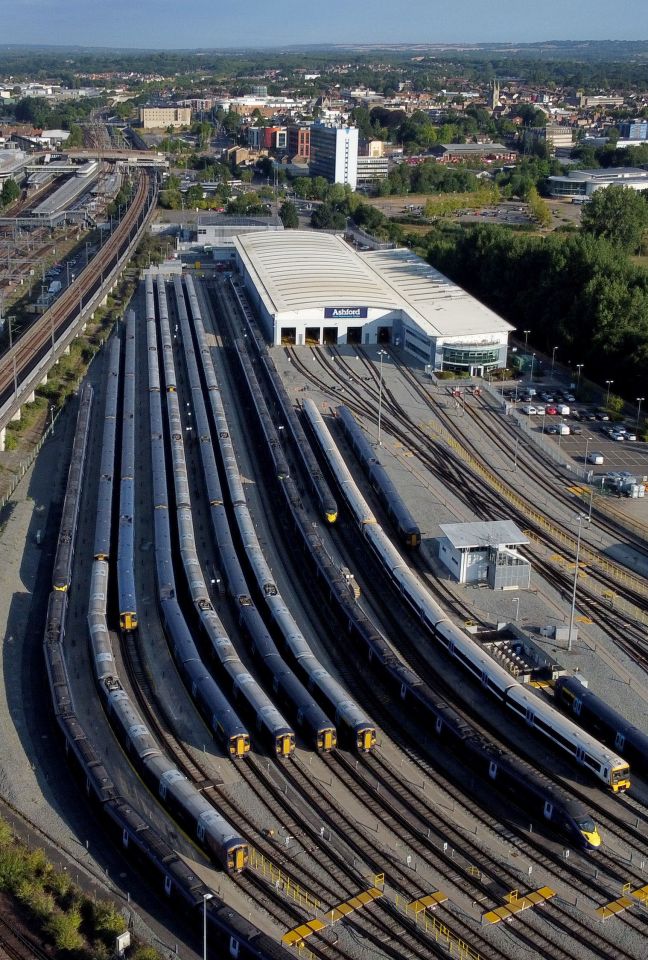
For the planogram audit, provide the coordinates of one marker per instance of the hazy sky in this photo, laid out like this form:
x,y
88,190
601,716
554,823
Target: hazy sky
x,y
217,23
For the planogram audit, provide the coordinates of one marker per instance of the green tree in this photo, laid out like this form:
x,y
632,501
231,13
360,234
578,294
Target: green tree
x,y
326,217
76,136
289,215
231,123
538,208
618,214
10,192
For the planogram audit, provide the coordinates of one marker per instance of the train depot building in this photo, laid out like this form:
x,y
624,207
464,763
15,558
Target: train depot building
x,y
314,288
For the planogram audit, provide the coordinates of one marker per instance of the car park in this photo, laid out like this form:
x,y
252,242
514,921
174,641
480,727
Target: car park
x,y
595,457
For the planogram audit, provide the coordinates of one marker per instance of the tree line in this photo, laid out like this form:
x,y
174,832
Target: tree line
x,y
580,292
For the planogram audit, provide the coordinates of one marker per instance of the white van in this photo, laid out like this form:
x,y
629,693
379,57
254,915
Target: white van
x,y
563,409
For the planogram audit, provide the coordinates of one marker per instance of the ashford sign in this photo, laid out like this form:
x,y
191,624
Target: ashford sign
x,y
345,313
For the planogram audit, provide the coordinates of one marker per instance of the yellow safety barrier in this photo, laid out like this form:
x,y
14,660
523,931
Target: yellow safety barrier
x,y
419,910
614,908
641,894
430,901
297,936
622,903
612,570
343,910
280,881
516,904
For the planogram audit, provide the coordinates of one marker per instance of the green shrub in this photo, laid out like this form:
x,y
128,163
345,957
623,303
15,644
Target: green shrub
x,y
12,869
38,901
104,921
145,953
63,929
63,888
6,836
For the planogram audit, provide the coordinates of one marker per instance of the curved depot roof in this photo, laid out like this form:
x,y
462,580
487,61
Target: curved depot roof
x,y
298,270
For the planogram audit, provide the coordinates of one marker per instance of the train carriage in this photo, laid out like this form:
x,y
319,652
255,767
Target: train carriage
x,y
608,767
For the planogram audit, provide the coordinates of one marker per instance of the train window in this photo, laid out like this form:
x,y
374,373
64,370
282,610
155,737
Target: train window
x,y
492,770
516,706
234,947
577,705
592,763
168,885
548,809
125,837
544,727
438,725
619,741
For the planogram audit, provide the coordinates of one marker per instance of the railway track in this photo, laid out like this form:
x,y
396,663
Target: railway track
x,y
17,363
384,814
16,946
482,499
421,665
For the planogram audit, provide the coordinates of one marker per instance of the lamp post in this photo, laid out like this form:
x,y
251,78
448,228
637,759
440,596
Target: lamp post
x,y
587,443
607,399
639,401
517,442
543,421
553,359
381,354
206,897
573,603
532,363
516,601
579,367
526,339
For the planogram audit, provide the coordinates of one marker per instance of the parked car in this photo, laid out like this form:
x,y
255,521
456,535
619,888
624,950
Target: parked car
x,y
595,457
576,430
559,428
601,415
546,397
529,409
630,434
617,435
590,415
570,398
578,415
552,411
540,409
